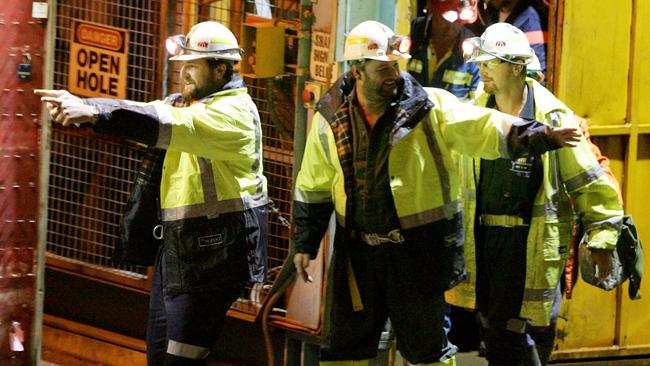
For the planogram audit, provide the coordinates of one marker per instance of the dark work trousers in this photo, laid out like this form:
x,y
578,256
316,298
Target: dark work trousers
x,y
394,281
192,321
542,339
501,274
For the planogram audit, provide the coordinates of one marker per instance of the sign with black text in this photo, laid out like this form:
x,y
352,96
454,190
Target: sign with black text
x,y
322,59
98,60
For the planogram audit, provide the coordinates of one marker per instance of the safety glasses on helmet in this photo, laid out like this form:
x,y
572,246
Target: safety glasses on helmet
x,y
177,45
473,48
491,64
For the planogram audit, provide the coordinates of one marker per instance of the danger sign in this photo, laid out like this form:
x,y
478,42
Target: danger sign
x,y
98,60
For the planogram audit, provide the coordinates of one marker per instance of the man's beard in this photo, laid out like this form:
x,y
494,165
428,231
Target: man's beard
x,y
195,92
378,94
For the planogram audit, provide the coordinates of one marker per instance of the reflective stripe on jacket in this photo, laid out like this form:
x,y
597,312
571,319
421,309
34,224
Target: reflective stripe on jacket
x,y
452,72
567,171
214,156
212,182
422,172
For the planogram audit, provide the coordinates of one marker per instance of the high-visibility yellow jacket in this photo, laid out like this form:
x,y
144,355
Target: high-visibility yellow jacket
x,y
573,172
431,123
212,168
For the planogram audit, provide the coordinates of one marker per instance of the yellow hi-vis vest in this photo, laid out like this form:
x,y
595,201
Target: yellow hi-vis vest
x,y
213,163
423,177
567,171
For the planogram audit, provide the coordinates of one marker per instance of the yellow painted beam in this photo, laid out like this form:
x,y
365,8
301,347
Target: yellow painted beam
x,y
644,128
609,130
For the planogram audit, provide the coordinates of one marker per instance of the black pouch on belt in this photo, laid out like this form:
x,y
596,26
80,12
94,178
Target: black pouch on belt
x,y
138,244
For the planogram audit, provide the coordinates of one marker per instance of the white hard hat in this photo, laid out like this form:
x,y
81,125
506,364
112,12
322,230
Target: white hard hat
x,y
534,69
375,41
205,40
500,40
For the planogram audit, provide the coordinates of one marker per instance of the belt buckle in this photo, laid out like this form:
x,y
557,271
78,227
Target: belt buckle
x,y
372,238
395,236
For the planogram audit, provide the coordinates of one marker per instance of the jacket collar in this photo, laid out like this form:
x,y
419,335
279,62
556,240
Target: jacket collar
x,y
236,82
545,101
234,86
411,100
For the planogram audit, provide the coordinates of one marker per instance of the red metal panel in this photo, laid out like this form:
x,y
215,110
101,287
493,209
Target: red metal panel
x,y
19,170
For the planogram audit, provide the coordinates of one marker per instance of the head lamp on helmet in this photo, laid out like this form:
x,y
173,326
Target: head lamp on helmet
x,y
205,40
400,45
501,40
175,44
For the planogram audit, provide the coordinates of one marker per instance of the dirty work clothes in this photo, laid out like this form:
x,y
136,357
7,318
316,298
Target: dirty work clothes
x,y
193,319
543,338
501,267
183,327
394,280
499,298
370,151
506,187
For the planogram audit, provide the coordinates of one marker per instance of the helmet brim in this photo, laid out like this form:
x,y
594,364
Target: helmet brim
x,y
395,57
190,57
482,57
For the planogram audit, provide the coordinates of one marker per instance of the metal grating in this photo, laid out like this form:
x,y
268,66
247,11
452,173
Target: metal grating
x,y
90,179
140,17
91,175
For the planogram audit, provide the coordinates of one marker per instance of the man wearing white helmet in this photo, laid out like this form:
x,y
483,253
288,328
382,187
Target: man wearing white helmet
x,y
379,156
524,211
212,191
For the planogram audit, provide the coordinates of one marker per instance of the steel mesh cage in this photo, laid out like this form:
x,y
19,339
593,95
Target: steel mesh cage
x,y
91,175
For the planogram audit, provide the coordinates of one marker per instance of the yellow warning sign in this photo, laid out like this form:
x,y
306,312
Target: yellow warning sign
x,y
98,60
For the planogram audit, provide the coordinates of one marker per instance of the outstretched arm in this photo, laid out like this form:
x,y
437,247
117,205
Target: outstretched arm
x,y
65,108
486,133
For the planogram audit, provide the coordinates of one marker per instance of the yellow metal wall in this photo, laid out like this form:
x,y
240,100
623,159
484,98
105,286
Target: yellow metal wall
x,y
603,76
595,59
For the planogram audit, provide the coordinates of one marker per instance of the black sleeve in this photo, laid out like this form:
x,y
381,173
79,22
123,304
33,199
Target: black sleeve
x,y
529,136
310,221
126,121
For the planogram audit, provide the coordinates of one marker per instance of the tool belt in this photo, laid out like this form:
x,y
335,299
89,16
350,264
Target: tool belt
x,y
502,220
393,236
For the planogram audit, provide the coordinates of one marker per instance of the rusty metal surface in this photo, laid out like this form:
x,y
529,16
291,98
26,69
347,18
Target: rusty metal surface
x,y
19,167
